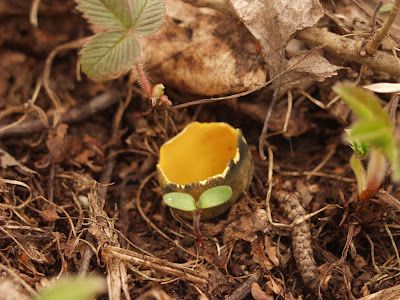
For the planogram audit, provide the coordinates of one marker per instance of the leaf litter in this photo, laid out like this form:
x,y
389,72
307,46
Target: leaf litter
x,y
89,227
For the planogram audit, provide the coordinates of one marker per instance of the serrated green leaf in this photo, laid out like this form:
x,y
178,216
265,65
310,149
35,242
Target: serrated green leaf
x,y
180,201
148,16
77,288
215,196
112,14
109,53
365,105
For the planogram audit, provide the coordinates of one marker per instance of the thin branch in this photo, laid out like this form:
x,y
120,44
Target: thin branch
x,y
76,114
349,50
157,264
380,34
244,289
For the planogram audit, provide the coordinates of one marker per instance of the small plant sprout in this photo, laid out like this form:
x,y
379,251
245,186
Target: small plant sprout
x,y
371,137
117,50
77,288
209,199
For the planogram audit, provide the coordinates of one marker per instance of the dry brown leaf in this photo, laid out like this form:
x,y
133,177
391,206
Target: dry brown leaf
x,y
304,68
258,255
34,254
273,23
50,215
61,147
273,285
245,227
258,293
6,160
306,196
201,51
271,250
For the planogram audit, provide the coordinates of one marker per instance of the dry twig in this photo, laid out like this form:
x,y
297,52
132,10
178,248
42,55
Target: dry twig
x,y
349,50
380,33
76,114
161,265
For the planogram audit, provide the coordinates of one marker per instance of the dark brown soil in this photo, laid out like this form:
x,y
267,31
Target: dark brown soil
x,y
47,174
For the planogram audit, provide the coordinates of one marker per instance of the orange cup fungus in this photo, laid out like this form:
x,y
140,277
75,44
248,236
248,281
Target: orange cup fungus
x,y
204,169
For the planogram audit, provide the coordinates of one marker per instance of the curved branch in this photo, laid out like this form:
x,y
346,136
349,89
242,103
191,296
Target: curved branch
x,y
349,50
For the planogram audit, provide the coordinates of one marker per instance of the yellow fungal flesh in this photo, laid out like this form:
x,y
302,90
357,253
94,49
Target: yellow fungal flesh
x,y
200,151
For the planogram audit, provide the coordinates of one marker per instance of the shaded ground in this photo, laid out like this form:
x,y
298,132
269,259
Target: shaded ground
x,y
52,208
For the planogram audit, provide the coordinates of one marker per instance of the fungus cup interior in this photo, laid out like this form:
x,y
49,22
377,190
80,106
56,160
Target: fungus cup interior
x,y
200,151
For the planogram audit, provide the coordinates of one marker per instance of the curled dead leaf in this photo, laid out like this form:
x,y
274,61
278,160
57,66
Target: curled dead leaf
x,y
50,215
201,51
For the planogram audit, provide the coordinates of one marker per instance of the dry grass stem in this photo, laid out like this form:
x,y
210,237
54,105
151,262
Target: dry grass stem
x,y
164,266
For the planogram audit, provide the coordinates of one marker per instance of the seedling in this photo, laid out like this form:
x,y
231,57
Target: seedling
x,y
371,137
116,50
77,288
209,199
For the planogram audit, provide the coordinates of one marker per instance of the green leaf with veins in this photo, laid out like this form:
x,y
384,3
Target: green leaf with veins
x,y
112,14
141,16
180,201
215,196
109,53
148,16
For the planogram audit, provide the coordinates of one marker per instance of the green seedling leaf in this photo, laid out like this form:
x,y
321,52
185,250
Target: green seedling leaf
x,y
215,196
112,14
77,288
180,201
386,8
148,16
109,53
365,105
358,169
396,160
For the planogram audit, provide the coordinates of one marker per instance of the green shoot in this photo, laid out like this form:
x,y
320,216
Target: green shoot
x,y
77,288
208,199
372,136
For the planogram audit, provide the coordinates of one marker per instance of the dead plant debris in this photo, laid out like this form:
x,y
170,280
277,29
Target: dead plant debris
x,y
77,157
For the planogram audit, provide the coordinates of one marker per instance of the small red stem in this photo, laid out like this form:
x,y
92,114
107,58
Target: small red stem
x,y
196,225
144,82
